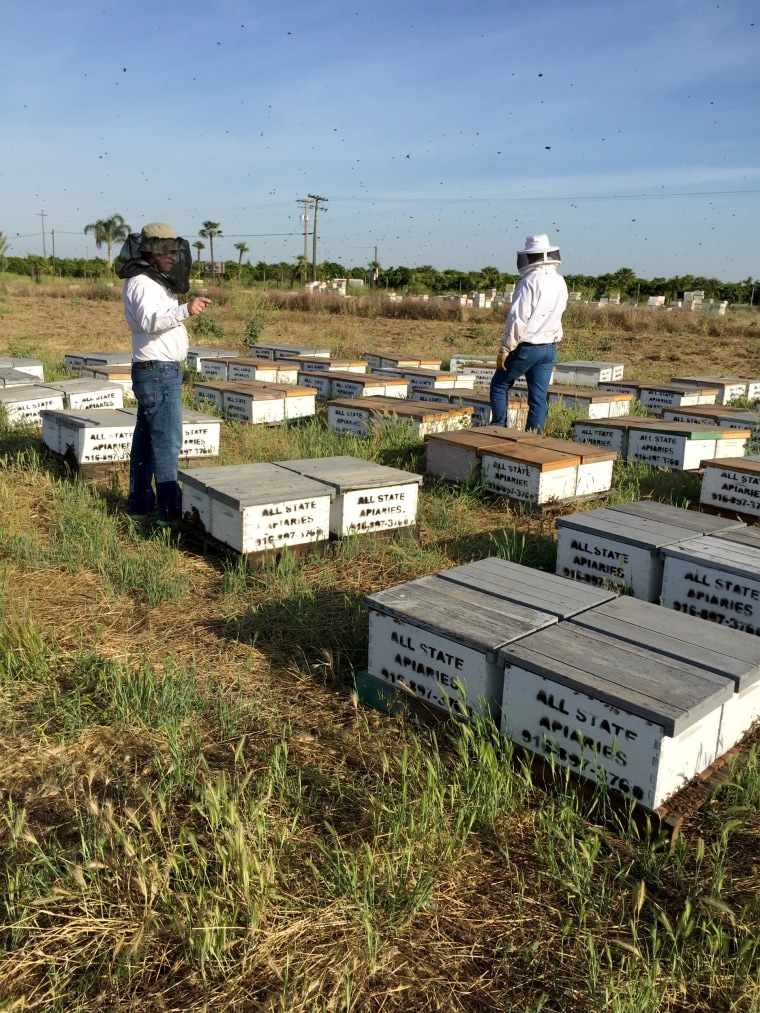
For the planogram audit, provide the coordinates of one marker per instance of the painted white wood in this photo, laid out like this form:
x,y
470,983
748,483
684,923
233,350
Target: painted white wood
x,y
85,392
256,408
34,367
732,485
526,482
669,450
25,402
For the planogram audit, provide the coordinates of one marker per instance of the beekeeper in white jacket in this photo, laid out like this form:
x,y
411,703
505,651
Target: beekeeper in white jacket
x,y
532,332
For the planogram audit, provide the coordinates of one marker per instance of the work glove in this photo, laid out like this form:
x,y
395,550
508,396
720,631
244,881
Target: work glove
x,y
500,360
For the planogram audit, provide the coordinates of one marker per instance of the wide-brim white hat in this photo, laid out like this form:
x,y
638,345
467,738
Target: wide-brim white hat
x,y
538,244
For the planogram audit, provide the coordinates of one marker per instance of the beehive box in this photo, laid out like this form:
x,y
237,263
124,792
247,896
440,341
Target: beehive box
x,y
216,368
94,436
73,361
613,712
732,484
525,471
114,359
440,640
595,468
480,402
714,579
609,434
85,392
320,364
456,455
254,508
632,387
197,354
675,445
246,369
34,367
209,392
360,415
526,586
256,407
391,360
10,377
728,388
587,373
482,371
300,402
111,374
277,351
458,362
346,385
717,415
25,402
727,653
655,396
427,379
595,403
368,497
622,546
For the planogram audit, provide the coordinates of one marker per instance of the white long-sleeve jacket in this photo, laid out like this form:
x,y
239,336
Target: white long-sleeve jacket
x,y
155,319
539,300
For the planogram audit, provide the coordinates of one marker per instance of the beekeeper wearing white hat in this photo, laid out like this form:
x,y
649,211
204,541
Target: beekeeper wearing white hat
x,y
532,332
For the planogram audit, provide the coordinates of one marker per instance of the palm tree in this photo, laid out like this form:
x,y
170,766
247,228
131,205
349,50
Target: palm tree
x,y
199,246
109,231
242,248
209,230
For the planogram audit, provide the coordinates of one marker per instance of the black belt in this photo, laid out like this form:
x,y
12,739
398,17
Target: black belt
x,y
151,362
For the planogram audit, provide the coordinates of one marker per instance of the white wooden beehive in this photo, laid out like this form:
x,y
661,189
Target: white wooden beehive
x,y
346,385
440,641
321,382
662,395
359,415
253,406
621,546
732,484
34,367
93,436
111,374
529,473
368,497
115,360
25,402
456,455
595,404
726,653
683,450
714,579
258,507
728,388
196,354
10,377
209,392
587,373
613,712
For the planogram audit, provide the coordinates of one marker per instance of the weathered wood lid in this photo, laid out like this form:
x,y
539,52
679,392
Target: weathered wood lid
x,y
718,649
588,453
744,535
244,485
459,613
420,411
586,394
499,578
10,377
27,392
100,418
665,691
469,437
533,455
365,379
720,554
641,532
666,513
747,465
349,473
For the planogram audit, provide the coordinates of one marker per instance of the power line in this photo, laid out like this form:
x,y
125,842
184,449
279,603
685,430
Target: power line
x,y
316,199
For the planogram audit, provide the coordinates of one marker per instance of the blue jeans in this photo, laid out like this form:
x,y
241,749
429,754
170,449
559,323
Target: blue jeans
x,y
535,363
157,440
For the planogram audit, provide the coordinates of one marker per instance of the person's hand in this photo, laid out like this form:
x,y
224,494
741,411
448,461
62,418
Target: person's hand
x,y
197,305
500,360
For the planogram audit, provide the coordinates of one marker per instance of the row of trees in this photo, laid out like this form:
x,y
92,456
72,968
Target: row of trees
x,y
426,279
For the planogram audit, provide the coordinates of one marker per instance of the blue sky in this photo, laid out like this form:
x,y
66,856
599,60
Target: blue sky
x,y
441,133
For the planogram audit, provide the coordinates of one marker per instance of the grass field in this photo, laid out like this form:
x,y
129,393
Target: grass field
x,y
199,815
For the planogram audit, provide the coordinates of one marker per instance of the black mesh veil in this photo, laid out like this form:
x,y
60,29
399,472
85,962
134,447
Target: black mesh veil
x,y
130,262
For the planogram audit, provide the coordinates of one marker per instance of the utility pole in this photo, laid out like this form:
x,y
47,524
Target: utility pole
x,y
316,200
52,235
41,214
306,204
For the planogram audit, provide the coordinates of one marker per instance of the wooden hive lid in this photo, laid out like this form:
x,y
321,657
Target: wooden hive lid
x,y
716,648
462,614
690,430
366,379
533,455
639,531
746,465
526,586
666,513
670,693
592,394
587,452
718,553
350,473
247,485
